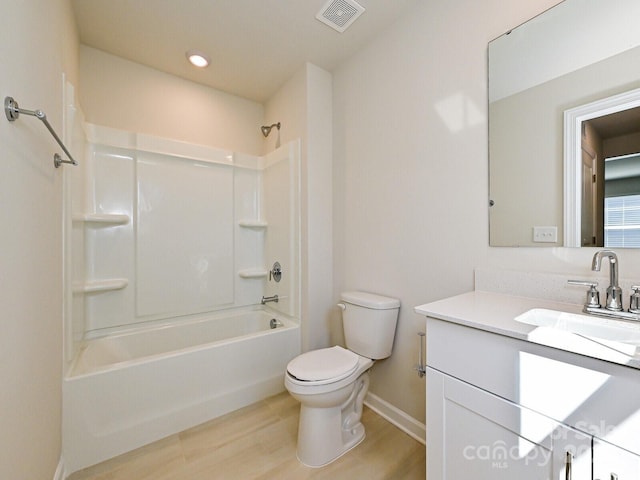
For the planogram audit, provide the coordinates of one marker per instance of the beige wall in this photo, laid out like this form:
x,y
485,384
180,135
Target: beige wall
x,y
36,49
411,173
128,96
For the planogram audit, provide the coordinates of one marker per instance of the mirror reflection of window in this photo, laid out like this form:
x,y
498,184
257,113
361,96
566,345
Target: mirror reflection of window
x,y
622,202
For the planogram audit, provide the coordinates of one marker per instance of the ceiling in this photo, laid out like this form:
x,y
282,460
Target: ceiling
x,y
254,45
616,124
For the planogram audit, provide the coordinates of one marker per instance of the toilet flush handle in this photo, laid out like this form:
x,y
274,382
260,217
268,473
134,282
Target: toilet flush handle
x,y
342,306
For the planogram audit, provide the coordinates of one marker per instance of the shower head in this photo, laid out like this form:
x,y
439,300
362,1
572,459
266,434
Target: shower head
x,y
266,129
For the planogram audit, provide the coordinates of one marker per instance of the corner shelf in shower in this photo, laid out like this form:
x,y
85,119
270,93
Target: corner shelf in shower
x,y
102,218
253,224
106,285
253,273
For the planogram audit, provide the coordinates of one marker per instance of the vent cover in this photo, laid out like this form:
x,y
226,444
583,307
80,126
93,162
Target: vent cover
x,y
340,14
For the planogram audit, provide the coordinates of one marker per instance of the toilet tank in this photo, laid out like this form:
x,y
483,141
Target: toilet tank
x,y
369,323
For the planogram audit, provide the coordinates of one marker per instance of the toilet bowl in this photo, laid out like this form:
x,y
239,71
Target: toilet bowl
x,y
331,383
331,408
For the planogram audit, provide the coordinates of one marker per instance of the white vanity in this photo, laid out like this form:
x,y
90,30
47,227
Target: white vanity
x,y
513,400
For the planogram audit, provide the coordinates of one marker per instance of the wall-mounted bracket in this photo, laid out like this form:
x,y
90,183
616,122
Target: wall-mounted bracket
x,y
13,111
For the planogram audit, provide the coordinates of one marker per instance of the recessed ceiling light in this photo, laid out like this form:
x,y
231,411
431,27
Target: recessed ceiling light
x,y
197,58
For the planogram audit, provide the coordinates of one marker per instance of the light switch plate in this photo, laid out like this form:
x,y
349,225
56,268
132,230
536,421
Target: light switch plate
x,y
545,234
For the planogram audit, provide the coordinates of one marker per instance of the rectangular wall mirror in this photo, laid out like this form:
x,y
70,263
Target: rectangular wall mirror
x,y
564,128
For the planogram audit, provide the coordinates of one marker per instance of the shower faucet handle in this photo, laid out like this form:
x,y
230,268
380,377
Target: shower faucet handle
x,y
275,272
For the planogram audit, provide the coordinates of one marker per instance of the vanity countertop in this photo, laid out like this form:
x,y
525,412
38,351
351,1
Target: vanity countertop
x,y
496,312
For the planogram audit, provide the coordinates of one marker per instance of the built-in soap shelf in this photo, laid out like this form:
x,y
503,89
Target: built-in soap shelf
x,y
253,224
101,218
253,273
105,220
96,286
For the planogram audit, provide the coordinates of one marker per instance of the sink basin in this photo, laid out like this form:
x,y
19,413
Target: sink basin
x,y
622,331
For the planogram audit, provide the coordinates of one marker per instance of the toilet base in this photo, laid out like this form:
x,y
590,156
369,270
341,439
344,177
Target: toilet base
x,y
343,451
327,433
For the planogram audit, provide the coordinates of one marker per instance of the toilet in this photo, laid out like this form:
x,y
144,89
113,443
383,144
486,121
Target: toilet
x,y
331,383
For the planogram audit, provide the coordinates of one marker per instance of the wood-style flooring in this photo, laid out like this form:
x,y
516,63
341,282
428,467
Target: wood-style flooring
x,y
258,442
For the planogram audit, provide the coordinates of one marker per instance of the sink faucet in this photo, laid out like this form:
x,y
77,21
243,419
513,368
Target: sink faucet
x,y
614,292
613,307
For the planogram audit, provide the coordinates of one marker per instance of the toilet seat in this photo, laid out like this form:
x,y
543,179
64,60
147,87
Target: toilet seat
x,y
326,365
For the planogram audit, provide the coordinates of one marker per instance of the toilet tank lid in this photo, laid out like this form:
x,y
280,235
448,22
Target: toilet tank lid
x,y
370,300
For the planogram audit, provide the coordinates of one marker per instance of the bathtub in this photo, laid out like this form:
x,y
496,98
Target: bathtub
x,y
129,389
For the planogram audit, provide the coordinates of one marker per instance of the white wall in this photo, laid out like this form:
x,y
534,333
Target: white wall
x,y
128,96
35,50
303,106
411,170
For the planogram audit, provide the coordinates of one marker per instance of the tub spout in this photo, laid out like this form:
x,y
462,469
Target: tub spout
x,y
273,298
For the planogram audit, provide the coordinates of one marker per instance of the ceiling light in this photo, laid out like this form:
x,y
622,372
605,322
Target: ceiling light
x,y
197,58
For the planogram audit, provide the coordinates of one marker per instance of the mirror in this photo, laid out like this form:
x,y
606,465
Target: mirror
x,y
574,55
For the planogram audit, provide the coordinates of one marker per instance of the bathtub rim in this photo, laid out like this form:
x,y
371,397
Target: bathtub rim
x,y
288,322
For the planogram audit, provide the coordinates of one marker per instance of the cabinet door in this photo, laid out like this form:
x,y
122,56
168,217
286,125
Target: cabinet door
x,y
475,435
614,463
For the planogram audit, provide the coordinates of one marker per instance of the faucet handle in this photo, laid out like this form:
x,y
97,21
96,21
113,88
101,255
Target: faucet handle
x,y
634,302
593,296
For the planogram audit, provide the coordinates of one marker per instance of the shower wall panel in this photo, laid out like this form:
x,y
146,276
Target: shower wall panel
x,y
249,242
173,230
280,200
184,236
109,249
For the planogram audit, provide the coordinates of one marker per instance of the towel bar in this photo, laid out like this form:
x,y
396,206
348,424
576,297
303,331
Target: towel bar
x,y
13,111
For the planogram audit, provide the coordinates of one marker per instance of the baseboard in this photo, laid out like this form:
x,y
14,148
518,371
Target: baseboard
x,y
59,475
400,419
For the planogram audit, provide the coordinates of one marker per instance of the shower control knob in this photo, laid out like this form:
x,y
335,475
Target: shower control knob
x,y
276,272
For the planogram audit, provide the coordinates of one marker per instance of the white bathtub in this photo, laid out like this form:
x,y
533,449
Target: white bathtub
x,y
130,389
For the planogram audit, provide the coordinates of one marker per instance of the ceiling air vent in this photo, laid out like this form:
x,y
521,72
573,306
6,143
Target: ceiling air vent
x,y
340,14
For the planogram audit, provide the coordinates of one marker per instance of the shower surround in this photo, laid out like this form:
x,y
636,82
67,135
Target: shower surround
x,y
167,235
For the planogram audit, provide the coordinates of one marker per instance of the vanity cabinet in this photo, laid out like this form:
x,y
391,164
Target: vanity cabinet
x,y
614,463
482,436
503,408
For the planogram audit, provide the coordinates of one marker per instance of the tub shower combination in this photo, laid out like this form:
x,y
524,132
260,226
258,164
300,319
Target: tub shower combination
x,y
166,328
